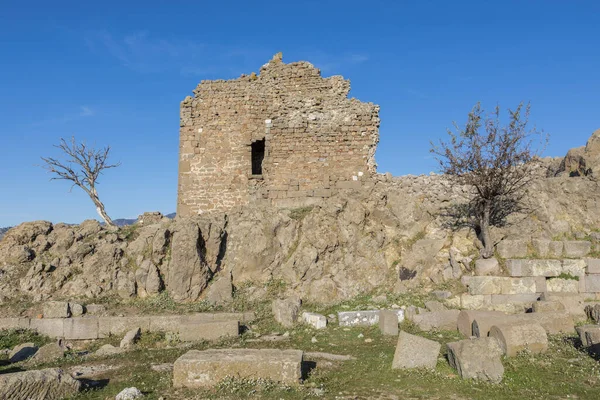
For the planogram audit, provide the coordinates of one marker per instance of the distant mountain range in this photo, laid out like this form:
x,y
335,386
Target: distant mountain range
x,y
118,222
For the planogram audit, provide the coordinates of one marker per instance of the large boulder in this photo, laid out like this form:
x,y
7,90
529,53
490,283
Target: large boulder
x,y
477,359
45,384
583,161
286,311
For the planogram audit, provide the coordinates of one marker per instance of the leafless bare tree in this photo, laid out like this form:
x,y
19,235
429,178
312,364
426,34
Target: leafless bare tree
x,y
82,166
497,161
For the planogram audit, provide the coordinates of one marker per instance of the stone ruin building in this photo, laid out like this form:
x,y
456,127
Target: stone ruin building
x,y
286,136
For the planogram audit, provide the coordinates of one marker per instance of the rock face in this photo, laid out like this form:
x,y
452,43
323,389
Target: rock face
x,y
415,352
200,369
477,359
583,161
387,236
45,384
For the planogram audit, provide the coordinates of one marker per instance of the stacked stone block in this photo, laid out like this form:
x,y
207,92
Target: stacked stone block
x,y
317,141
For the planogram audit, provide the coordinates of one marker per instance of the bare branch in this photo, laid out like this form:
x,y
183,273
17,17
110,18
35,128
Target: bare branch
x,y
82,166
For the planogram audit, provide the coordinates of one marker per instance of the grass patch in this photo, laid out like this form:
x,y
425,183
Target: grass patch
x,y
10,338
298,214
566,275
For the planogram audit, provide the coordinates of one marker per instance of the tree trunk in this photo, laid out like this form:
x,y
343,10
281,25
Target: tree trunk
x,y
101,210
488,246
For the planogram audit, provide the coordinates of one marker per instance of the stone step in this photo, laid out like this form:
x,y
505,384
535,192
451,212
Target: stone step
x,y
200,369
503,285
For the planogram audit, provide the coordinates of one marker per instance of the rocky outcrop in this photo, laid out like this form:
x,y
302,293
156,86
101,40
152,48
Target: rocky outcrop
x,y
45,384
583,161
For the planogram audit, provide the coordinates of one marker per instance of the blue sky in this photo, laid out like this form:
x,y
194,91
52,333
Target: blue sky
x,y
114,73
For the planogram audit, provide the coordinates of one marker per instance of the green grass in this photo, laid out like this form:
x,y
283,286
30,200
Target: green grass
x,y
10,338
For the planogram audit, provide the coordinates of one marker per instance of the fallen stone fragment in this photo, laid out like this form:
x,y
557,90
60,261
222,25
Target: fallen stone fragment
x,y
286,311
553,323
466,318
388,323
415,352
548,306
45,384
328,356
438,320
22,352
48,353
76,309
166,367
582,332
200,369
130,393
519,336
56,309
477,359
108,350
318,321
130,338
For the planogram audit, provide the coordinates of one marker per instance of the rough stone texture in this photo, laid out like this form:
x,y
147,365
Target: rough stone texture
x,y
317,321
53,328
553,323
466,318
593,312
586,340
130,338
592,283
477,359
76,309
188,272
200,369
438,320
45,384
108,350
548,306
415,352
130,393
81,328
558,285
388,323
358,318
49,352
518,268
220,291
573,303
193,332
512,249
516,337
95,309
499,285
315,140
577,248
593,265
434,306
286,311
22,352
489,266
56,309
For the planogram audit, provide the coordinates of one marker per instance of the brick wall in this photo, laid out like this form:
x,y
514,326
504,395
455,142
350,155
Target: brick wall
x,y
316,139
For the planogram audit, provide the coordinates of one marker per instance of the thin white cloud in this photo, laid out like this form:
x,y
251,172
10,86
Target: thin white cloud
x,y
86,111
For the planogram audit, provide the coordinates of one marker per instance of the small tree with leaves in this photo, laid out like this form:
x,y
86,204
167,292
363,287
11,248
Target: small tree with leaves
x,y
81,165
496,161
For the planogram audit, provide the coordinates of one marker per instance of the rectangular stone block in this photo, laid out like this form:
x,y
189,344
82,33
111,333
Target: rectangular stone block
x,y
348,185
593,265
541,247
358,318
577,248
81,328
499,285
574,267
438,320
318,321
559,285
120,325
475,301
555,249
528,298
388,323
202,369
519,268
192,332
592,283
14,323
51,327
165,323
512,249
414,351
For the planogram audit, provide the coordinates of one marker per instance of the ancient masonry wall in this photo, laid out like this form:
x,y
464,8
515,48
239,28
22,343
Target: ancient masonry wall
x,y
316,140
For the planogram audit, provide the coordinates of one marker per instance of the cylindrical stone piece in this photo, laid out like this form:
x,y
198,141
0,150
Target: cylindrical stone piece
x,y
516,337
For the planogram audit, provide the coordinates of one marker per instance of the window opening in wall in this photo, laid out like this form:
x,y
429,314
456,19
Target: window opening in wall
x,y
258,155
